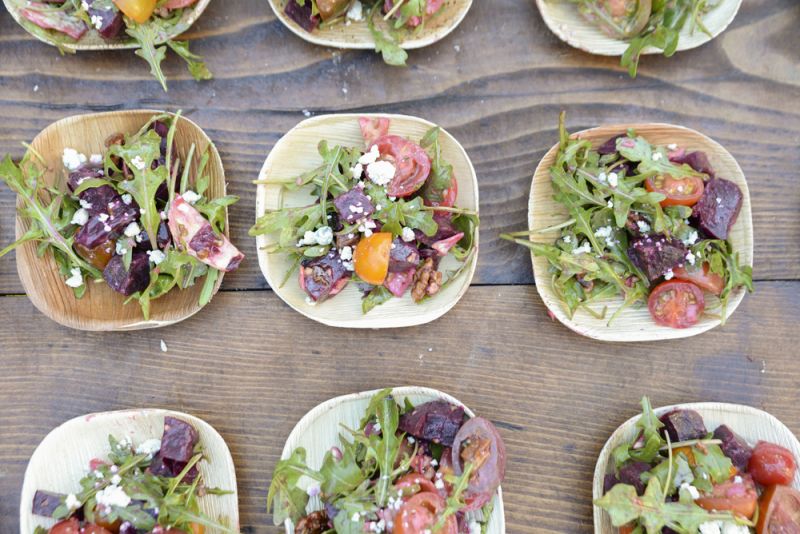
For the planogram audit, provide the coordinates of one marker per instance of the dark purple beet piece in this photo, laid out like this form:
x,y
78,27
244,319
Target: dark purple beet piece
x,y
323,277
683,425
85,172
169,468
610,146
718,208
403,256
99,198
137,278
163,238
178,440
632,474
446,230
302,15
655,255
609,481
734,447
109,18
45,503
437,421
353,205
107,217
696,160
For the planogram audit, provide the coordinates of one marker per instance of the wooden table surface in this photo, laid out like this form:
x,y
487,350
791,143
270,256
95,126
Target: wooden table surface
x,y
252,367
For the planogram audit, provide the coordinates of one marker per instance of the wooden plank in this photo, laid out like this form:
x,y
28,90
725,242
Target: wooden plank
x,y
252,367
497,84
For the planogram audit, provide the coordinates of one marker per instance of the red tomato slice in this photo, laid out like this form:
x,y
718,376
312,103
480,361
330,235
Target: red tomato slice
x,y
415,479
779,511
445,197
738,495
372,129
67,526
91,528
412,164
676,304
771,464
679,192
421,513
702,277
177,4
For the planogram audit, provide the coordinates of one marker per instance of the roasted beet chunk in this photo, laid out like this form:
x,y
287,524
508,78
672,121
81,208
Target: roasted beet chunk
x,y
106,219
97,199
302,15
86,172
178,440
106,18
169,468
404,256
445,230
655,255
436,421
717,210
632,474
137,278
610,146
683,425
353,205
323,277
45,503
734,447
696,160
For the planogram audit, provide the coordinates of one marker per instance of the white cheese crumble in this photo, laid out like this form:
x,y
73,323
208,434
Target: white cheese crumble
x,y
346,253
602,177
138,162
323,236
607,233
72,159
313,490
722,527
669,275
657,156
149,447
132,230
116,479
156,256
381,172
691,489
80,217
613,179
585,248
683,473
567,239
103,217
356,11
643,226
408,234
691,239
121,249
691,258
371,156
85,205
72,502
76,280
190,196
610,204
113,496
97,21
672,146
357,171
127,199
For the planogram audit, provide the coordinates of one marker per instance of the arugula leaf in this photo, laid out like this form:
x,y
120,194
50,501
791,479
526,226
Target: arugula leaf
x,y
712,461
147,37
386,45
377,296
197,68
285,500
340,476
387,447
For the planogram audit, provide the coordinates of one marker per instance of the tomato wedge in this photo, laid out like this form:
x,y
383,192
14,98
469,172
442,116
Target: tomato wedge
x,y
771,464
373,129
138,10
738,496
66,526
479,443
779,511
93,528
421,513
441,197
679,192
412,164
371,257
415,479
702,277
676,304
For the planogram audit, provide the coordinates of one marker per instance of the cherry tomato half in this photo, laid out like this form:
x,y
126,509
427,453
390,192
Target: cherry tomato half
x,y
415,479
138,10
373,128
444,197
92,528
67,526
702,277
738,496
676,304
779,510
421,513
371,257
771,464
679,192
412,164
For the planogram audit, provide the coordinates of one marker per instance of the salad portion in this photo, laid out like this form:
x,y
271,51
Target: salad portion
x,y
149,24
646,23
402,17
676,476
135,216
153,487
647,223
381,215
406,469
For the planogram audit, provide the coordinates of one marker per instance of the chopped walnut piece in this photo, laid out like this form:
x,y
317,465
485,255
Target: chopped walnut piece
x,y
313,523
427,281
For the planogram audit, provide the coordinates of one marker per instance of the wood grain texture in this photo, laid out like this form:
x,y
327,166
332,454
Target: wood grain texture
x,y
251,367
496,83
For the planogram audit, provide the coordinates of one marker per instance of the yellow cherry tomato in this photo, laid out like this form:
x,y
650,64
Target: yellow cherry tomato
x,y
138,10
371,257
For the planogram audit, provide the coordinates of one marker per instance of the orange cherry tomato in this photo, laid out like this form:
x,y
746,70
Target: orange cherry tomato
x,y
702,277
421,513
138,10
688,453
779,510
626,529
738,496
371,257
679,192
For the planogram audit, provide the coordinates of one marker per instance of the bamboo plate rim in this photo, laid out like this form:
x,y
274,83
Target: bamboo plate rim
x,y
306,424
211,439
581,34
625,431
355,318
356,35
27,261
96,42
581,323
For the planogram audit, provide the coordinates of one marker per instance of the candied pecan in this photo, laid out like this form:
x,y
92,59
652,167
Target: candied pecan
x,y
427,281
313,523
115,139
